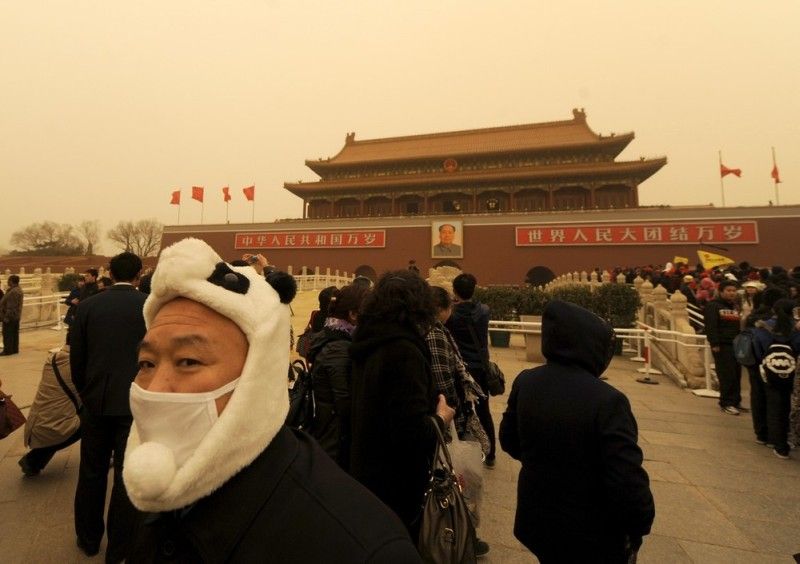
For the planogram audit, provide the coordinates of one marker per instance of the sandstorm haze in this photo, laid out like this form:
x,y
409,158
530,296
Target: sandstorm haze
x,y
109,106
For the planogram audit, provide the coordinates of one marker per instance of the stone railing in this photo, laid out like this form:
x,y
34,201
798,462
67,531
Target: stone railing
x,y
317,280
681,358
584,279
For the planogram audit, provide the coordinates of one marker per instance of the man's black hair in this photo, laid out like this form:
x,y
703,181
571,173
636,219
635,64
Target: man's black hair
x,y
725,283
125,267
441,299
93,271
443,225
464,286
13,279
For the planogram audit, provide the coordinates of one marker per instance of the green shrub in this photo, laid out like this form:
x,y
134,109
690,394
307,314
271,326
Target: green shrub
x,y
68,281
502,301
617,304
578,295
532,301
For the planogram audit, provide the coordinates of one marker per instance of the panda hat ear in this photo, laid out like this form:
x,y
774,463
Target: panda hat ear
x,y
283,283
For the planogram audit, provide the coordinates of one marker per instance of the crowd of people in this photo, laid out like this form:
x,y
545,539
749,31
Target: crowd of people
x,y
194,359
751,320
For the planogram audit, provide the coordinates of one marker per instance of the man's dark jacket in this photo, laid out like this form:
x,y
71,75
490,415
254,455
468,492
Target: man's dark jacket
x,y
393,398
582,488
292,504
103,340
466,314
722,322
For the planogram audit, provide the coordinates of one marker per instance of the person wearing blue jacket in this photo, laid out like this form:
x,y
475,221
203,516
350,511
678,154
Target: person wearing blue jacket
x,y
778,329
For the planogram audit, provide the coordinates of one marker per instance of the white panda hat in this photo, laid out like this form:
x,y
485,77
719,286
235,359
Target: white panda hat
x,y
258,406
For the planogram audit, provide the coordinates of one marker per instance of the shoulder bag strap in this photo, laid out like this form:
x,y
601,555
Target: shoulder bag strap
x,y
63,384
442,454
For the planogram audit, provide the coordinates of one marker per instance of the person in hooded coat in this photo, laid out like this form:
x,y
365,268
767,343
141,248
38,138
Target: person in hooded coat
x,y
582,494
218,477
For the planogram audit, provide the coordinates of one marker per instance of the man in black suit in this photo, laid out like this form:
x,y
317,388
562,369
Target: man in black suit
x,y
103,356
582,495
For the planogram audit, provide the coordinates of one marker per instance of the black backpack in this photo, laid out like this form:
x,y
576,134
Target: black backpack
x,y
743,348
301,397
779,365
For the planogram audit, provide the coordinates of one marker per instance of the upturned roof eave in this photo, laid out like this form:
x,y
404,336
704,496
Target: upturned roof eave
x,y
648,167
618,142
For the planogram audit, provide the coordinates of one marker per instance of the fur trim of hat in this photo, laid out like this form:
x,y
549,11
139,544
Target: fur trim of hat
x,y
258,406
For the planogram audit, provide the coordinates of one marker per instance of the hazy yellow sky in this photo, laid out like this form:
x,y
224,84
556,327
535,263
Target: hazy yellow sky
x,y
108,106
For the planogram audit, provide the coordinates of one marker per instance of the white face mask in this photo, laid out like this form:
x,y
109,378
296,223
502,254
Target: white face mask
x,y
177,421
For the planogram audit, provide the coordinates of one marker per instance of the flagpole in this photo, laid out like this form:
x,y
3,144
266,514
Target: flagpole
x,y
721,181
253,209
202,207
226,212
179,213
775,180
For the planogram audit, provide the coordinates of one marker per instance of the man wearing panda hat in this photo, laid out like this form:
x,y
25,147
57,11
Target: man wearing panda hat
x,y
218,475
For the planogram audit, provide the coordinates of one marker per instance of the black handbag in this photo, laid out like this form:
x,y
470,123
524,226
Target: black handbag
x,y
495,379
447,533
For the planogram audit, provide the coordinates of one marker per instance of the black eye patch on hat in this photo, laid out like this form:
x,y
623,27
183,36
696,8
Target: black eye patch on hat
x,y
228,279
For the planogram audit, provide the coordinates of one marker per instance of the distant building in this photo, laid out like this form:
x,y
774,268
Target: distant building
x,y
523,202
540,167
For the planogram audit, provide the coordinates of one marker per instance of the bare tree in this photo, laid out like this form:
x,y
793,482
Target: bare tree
x,y
47,238
90,231
149,232
123,234
142,237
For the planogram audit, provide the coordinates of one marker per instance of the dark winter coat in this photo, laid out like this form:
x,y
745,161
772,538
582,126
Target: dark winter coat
x,y
764,336
466,314
291,505
103,353
331,376
723,322
582,489
393,397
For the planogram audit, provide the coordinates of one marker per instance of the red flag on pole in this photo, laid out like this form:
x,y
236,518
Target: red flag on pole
x,y
776,176
176,198
226,194
725,171
249,193
197,193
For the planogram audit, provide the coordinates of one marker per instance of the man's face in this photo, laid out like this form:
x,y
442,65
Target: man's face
x,y
191,348
88,278
446,234
729,293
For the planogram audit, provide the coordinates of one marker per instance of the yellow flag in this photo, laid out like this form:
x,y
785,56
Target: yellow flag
x,y
711,260
678,259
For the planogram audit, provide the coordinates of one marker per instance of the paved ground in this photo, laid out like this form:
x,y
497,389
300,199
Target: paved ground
x,y
719,496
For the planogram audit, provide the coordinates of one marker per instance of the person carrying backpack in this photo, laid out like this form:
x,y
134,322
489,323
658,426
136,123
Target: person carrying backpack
x,y
776,347
745,355
330,374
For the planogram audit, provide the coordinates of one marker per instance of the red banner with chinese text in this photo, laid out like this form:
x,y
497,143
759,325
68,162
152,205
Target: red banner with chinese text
x,y
673,233
355,239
